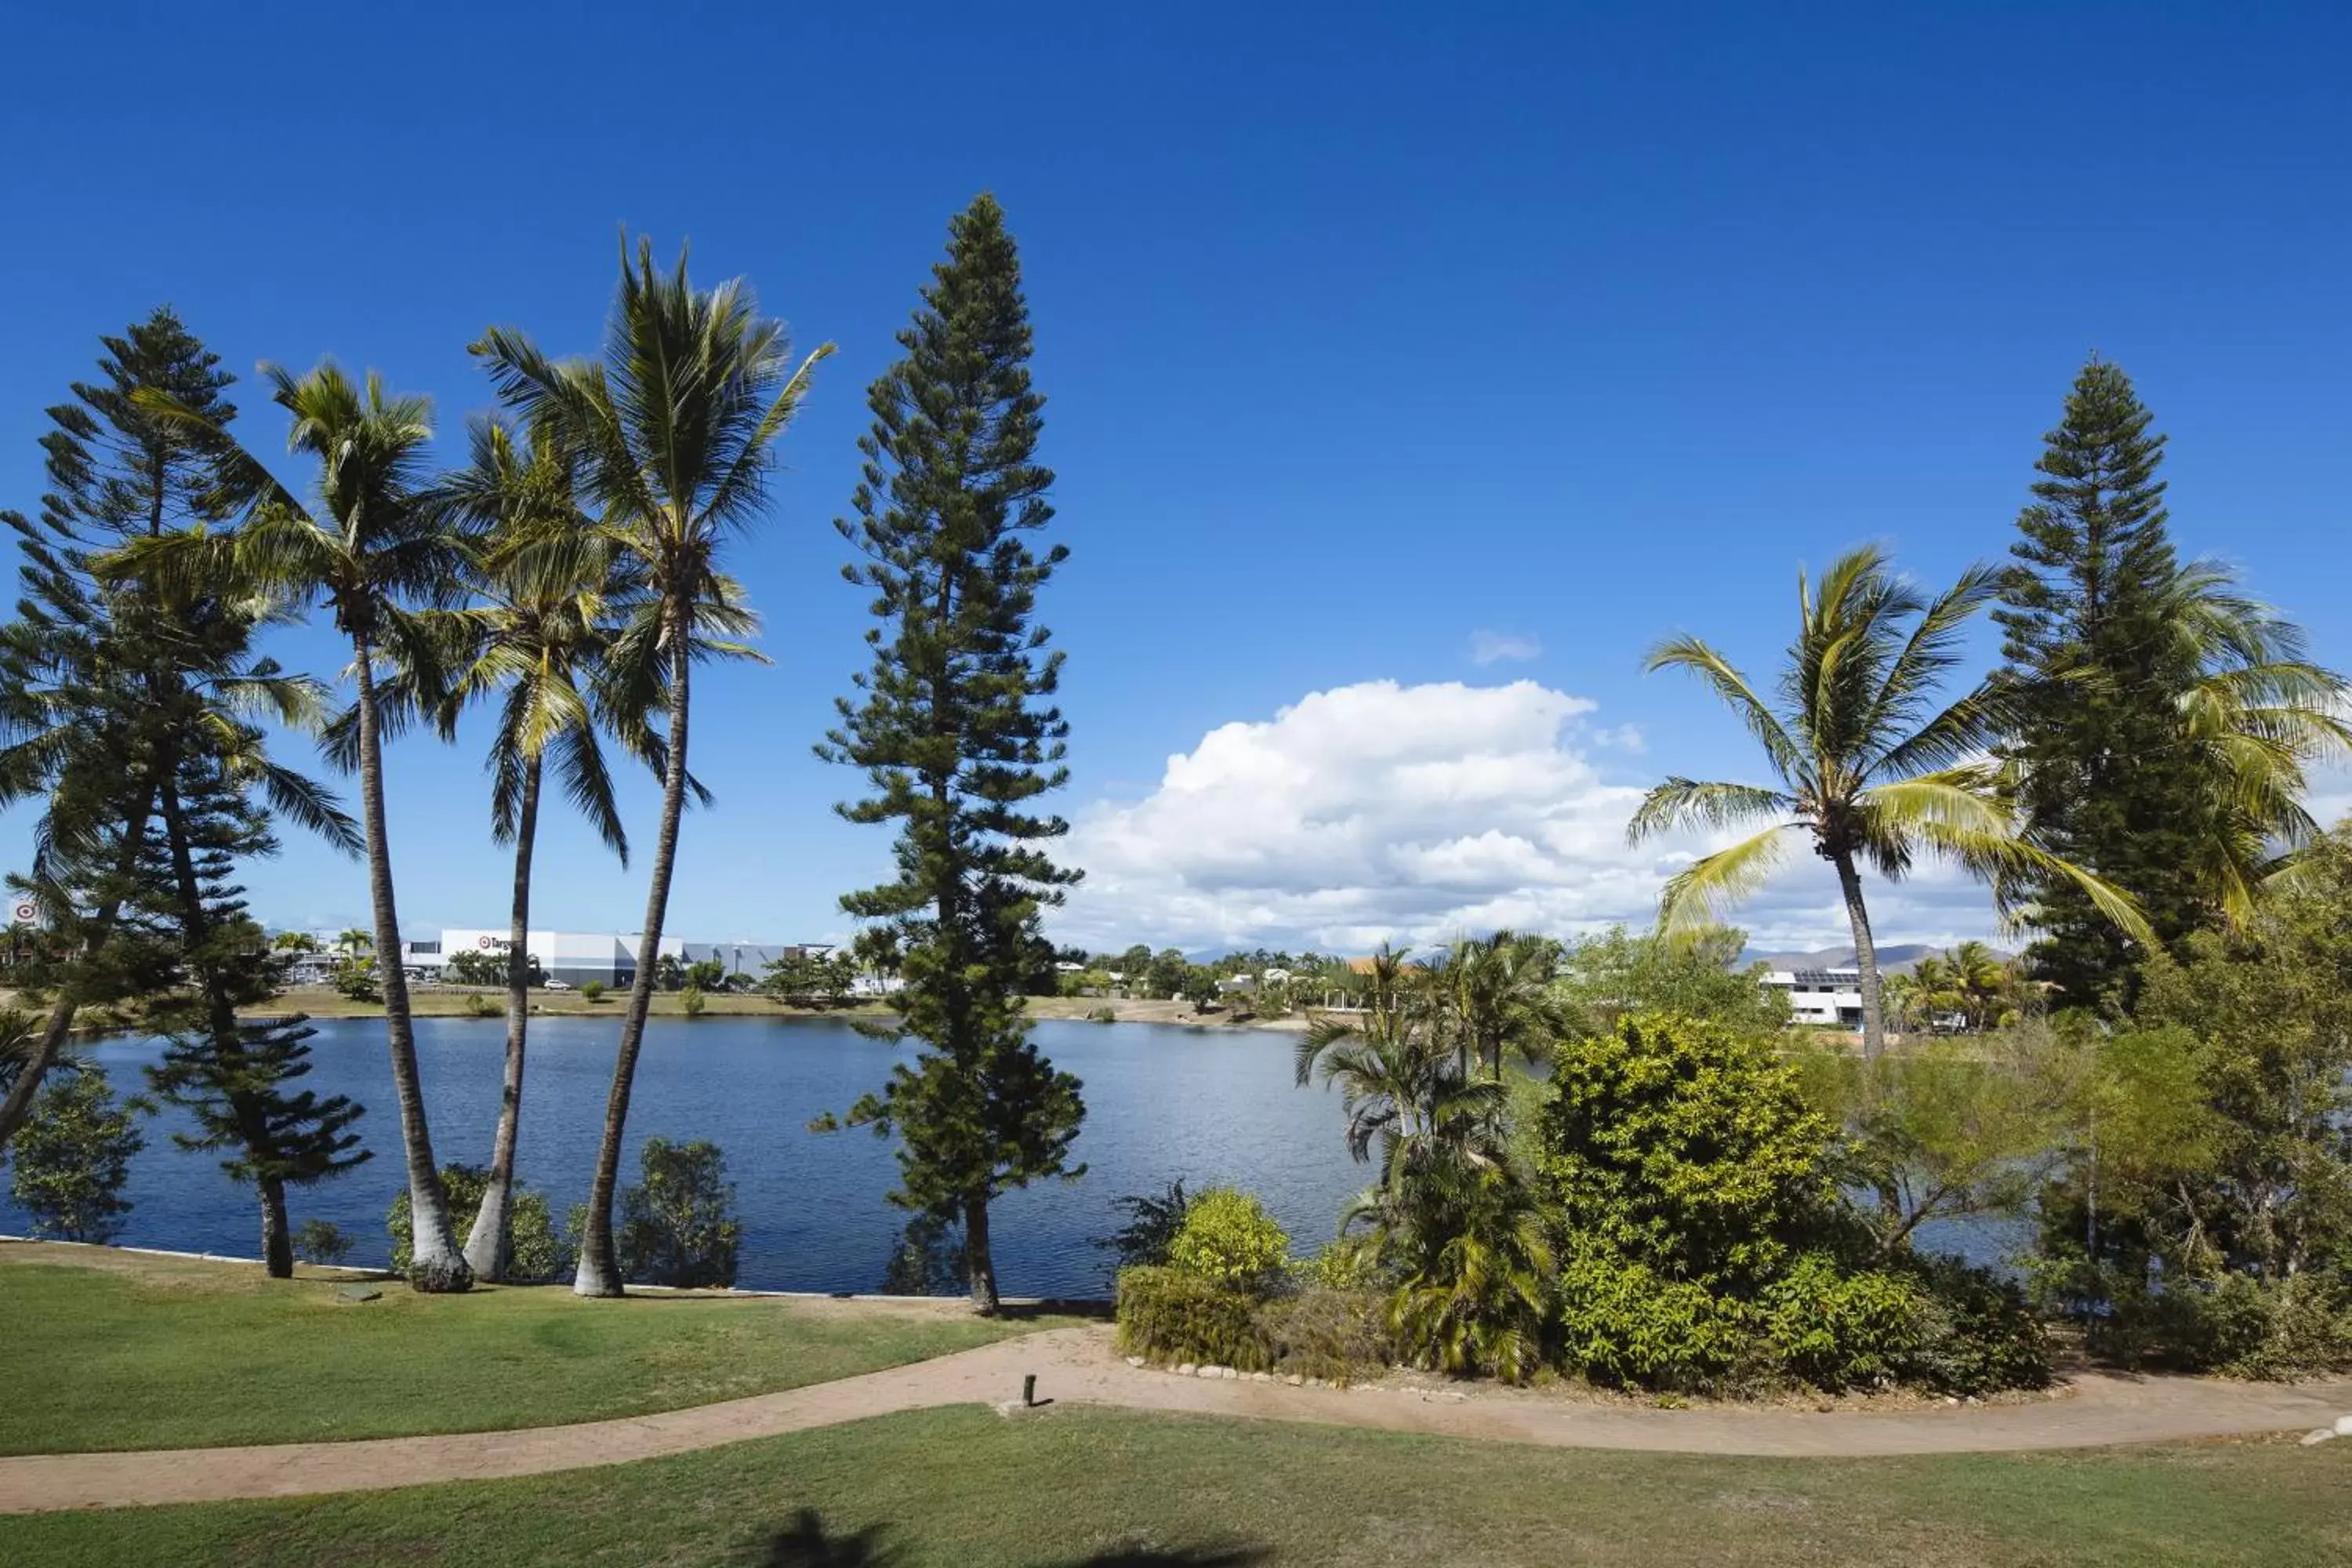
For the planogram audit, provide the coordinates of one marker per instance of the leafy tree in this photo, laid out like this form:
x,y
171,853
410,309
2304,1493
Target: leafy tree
x,y
875,951
1167,974
670,973
674,434
1868,768
294,941
73,1157
956,734
373,551
355,980
679,1226
1607,975
801,978
2210,1166
2162,723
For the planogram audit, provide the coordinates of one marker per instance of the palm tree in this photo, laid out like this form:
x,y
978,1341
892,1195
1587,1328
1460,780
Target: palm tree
x,y
353,942
674,434
1495,997
1403,1085
2262,715
554,595
1980,980
294,941
371,552
1867,766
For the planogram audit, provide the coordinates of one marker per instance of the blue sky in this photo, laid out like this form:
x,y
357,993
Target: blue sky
x,y
1376,340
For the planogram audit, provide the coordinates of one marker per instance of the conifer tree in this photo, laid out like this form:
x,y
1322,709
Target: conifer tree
x,y
236,1077
77,725
957,734
2161,724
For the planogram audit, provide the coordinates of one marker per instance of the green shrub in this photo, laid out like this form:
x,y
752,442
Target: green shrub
x,y
591,992
480,1006
1621,1323
1348,1263
322,1242
1170,1314
541,1256
1983,1335
1228,1236
2238,1324
690,1002
679,1226
72,1156
1337,1334
1836,1329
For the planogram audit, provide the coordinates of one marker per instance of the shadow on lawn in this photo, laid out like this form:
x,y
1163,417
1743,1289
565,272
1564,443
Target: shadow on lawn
x,y
804,1543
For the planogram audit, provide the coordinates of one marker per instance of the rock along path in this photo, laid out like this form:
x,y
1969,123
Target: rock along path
x,y
1077,1366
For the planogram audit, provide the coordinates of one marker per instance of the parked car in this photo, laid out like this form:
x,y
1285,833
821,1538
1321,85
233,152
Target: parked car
x,y
558,986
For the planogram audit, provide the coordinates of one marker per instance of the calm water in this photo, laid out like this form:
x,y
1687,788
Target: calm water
x,y
1162,1101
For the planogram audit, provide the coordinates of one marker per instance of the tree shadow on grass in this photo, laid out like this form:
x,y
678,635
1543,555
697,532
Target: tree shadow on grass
x,y
806,1543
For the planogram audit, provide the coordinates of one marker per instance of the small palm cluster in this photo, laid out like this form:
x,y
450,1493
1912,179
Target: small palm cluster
x,y
1420,1065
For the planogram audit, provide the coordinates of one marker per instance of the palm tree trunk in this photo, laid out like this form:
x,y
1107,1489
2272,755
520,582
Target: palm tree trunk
x,y
19,1102
980,1261
489,1251
1865,956
436,1263
598,1275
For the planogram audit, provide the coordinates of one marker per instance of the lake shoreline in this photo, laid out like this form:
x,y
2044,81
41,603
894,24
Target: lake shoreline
x,y
457,1002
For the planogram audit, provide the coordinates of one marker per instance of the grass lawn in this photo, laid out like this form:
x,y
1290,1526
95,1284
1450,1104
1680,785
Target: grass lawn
x,y
1079,1486
106,1350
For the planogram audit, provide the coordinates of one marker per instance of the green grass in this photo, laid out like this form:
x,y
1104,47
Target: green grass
x,y
115,1351
1079,1486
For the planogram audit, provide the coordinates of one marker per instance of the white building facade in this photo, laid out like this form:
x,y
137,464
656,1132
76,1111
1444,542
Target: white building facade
x,y
610,958
1830,997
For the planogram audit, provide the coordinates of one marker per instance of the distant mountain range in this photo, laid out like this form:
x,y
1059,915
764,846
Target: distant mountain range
x,y
1895,959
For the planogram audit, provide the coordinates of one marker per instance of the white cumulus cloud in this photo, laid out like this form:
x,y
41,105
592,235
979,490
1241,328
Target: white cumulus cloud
x,y
1383,812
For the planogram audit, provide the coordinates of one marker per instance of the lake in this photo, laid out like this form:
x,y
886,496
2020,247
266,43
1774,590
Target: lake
x,y
1162,1101
1209,1105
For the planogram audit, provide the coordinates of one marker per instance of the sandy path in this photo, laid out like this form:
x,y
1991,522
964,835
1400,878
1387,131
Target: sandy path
x,y
1077,1366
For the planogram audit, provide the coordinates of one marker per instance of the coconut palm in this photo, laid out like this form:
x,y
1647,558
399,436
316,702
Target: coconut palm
x,y
1403,1085
673,434
353,942
1868,768
1495,997
294,941
371,552
2260,717
554,593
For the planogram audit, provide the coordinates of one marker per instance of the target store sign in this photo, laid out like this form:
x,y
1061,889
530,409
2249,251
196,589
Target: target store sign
x,y
24,913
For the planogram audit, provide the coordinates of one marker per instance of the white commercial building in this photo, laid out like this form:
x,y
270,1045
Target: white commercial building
x,y
609,958
1821,996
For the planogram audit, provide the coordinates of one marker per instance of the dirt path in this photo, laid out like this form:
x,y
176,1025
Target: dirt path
x,y
1077,1366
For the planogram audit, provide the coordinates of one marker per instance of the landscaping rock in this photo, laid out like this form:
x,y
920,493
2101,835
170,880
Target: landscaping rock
x,y
1135,1360
1295,1381
2318,1434
1185,1369
2343,1426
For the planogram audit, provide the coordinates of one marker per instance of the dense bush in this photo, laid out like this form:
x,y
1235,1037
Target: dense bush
x,y
1173,1315
541,1256
679,1226
1153,1220
1228,1236
322,1242
72,1157
1709,1245
1336,1334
